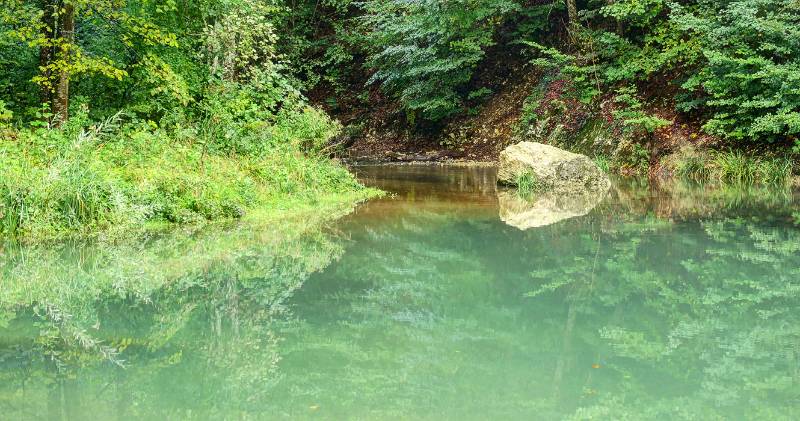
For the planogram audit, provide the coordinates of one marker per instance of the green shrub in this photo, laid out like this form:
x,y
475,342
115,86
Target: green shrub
x,y
581,69
632,114
750,69
735,62
603,163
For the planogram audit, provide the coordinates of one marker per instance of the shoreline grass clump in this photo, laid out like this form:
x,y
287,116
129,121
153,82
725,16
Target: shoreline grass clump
x,y
527,183
694,168
735,168
603,162
776,171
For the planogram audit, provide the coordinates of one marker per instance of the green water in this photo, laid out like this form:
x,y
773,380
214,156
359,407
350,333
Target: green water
x,y
673,303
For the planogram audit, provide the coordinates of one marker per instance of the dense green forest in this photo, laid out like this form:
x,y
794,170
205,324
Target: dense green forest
x,y
123,112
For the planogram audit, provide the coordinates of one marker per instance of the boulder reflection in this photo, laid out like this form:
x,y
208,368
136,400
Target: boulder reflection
x,y
545,209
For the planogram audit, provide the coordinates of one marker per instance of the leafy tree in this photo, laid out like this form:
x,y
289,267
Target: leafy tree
x,y
56,29
424,52
735,62
751,66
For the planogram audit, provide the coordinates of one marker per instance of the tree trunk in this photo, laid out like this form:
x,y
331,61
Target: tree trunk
x,y
67,35
46,51
572,11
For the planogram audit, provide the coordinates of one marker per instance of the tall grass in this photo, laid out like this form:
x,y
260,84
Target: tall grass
x,y
776,171
734,168
694,168
115,177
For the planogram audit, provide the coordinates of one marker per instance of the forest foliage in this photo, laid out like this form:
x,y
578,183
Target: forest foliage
x,y
732,63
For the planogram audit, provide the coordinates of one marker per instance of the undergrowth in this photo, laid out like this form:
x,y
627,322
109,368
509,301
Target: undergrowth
x,y
118,176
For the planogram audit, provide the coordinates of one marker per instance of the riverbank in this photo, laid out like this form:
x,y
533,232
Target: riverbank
x,y
530,106
631,133
117,179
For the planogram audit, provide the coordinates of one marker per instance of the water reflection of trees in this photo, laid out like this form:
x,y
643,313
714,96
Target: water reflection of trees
x,y
175,326
672,310
712,308
690,303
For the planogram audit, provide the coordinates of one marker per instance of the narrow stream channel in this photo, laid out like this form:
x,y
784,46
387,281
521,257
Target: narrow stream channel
x,y
448,299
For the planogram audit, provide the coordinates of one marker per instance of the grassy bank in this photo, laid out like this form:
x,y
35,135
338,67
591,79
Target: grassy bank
x,y
119,176
730,167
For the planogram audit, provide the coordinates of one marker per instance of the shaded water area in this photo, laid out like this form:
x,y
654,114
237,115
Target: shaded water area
x,y
679,302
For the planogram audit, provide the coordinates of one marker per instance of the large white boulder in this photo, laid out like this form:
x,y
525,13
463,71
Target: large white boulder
x,y
553,169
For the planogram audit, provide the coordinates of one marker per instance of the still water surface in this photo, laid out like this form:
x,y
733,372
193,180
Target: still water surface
x,y
672,303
